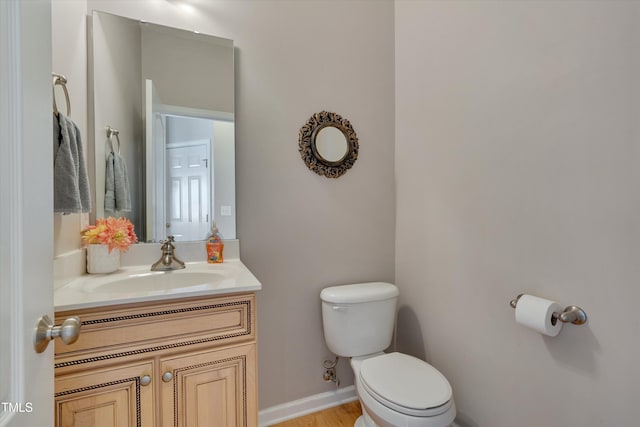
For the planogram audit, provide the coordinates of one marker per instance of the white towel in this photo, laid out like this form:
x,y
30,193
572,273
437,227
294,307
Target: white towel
x,y
116,197
70,180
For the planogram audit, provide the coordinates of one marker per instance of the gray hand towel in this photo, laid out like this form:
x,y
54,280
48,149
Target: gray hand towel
x,y
70,180
116,197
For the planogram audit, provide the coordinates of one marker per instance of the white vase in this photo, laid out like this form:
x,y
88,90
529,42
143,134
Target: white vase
x,y
100,260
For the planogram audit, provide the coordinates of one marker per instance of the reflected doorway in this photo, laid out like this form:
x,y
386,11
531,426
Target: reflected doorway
x,y
188,189
190,171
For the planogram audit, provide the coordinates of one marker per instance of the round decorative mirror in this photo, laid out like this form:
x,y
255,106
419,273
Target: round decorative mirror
x,y
328,144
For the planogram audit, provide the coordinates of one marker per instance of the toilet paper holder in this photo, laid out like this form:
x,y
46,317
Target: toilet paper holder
x,y
571,314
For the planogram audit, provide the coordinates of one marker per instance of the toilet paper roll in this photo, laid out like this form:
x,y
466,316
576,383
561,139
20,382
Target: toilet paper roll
x,y
537,314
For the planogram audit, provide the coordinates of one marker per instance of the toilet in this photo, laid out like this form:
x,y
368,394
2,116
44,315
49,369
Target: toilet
x,y
395,389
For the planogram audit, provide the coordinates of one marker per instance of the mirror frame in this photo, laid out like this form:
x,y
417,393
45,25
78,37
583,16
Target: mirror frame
x,y
309,152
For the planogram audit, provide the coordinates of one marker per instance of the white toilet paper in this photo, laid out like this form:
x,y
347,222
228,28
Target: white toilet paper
x,y
537,313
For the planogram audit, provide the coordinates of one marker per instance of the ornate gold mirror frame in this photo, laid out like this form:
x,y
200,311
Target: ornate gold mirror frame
x,y
309,150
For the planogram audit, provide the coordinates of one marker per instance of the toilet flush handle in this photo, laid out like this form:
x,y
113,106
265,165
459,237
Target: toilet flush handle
x,y
339,307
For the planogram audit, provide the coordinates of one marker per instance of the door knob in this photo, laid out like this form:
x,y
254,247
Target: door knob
x,y
167,376
145,380
46,331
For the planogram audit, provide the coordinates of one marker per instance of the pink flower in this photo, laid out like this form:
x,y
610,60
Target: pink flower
x,y
114,232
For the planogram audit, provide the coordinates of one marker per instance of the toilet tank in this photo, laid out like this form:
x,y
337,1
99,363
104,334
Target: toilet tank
x,y
359,319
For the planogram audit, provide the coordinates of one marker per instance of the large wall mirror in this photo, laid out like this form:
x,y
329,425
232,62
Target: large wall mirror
x,y
170,95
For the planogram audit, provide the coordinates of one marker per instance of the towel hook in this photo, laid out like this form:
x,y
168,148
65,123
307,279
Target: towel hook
x,y
59,79
113,132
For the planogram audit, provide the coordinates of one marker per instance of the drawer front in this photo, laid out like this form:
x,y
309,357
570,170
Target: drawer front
x,y
125,331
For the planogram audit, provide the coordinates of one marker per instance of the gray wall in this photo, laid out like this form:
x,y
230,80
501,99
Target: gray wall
x,y
299,231
517,130
190,71
70,59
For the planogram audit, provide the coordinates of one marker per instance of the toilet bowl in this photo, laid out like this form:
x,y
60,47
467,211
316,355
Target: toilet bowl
x,y
398,390
395,389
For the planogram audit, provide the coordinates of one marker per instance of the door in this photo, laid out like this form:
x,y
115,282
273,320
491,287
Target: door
x,y
117,396
189,190
209,388
26,245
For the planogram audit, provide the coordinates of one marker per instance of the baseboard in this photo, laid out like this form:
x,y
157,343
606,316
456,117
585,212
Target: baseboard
x,y
307,405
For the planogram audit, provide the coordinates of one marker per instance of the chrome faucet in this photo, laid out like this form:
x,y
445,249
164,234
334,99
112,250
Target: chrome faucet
x,y
168,261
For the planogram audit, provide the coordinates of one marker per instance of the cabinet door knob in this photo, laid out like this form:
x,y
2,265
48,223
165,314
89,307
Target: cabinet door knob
x,y
145,380
167,376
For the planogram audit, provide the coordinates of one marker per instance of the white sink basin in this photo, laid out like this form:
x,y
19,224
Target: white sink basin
x,y
138,283
156,283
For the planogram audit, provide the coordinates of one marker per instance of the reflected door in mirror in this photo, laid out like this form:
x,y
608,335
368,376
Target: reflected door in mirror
x,y
188,190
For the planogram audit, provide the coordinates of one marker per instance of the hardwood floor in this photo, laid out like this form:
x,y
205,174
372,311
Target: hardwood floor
x,y
339,416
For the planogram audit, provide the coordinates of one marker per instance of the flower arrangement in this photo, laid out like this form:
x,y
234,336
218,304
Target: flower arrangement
x,y
117,233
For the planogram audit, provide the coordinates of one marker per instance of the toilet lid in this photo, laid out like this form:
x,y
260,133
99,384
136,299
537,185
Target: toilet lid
x,y
405,382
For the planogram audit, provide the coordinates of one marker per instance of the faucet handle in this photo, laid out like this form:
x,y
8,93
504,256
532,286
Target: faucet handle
x,y
168,244
170,239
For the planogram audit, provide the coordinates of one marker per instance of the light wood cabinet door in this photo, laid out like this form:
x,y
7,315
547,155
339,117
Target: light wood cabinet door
x,y
210,388
109,397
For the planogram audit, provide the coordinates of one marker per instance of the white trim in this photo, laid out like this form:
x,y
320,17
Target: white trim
x,y
198,113
190,143
306,405
11,215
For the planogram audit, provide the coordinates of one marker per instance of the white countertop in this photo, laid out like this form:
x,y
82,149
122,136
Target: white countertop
x,y
133,284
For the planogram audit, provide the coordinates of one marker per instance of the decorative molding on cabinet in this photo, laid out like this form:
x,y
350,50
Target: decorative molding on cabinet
x,y
108,384
244,305
166,312
144,350
242,359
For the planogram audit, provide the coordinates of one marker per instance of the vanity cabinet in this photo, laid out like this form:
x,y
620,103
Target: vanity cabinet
x,y
177,363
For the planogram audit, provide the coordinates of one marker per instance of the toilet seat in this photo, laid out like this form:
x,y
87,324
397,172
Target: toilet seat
x,y
406,384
